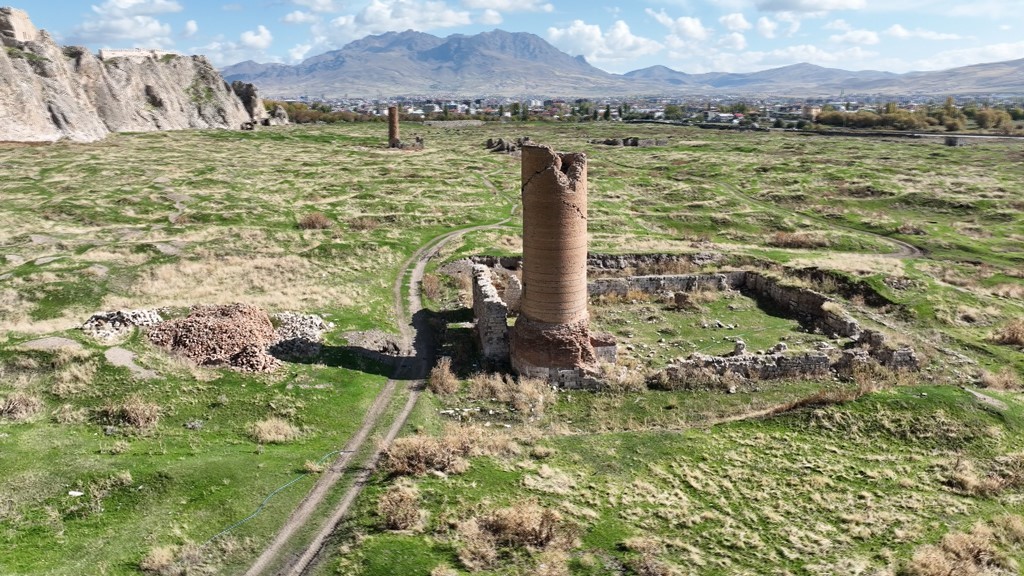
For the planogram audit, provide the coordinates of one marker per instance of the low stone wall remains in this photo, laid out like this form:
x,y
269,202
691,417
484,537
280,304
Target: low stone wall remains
x,y
491,314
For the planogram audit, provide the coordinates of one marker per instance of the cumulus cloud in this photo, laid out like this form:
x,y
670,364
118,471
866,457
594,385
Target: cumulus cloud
x,y
300,17
792,19
259,39
735,22
685,27
766,27
490,17
299,51
191,29
127,21
839,24
510,5
808,5
897,31
865,37
386,15
733,41
618,43
967,56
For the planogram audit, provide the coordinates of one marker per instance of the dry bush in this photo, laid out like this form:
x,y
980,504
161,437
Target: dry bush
x,y
19,406
687,377
159,560
961,554
1005,379
138,413
552,563
620,379
73,380
526,525
68,414
1012,291
651,565
798,240
1010,529
1005,473
311,467
442,380
315,221
399,506
477,547
66,355
431,286
444,570
273,431
491,386
531,397
364,223
643,545
1011,334
417,455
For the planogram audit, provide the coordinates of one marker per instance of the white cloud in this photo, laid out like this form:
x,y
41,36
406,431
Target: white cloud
x,y
300,17
489,17
617,44
191,28
733,41
735,22
792,19
258,40
839,24
127,22
866,37
136,7
510,5
223,53
967,56
685,27
808,5
811,54
897,31
766,27
299,51
388,15
320,5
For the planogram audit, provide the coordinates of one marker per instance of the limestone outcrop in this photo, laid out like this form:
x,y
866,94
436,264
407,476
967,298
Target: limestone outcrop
x,y
50,92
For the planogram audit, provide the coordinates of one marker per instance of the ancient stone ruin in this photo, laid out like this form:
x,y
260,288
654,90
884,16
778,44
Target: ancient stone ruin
x,y
551,338
507,146
631,141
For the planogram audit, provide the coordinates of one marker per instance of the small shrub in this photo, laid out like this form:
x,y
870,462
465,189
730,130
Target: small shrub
x,y
315,221
73,380
1012,334
651,565
138,413
529,525
68,414
399,508
364,223
484,386
444,570
1005,379
971,553
798,240
620,380
19,406
531,397
159,560
417,455
431,286
312,467
477,548
442,380
273,431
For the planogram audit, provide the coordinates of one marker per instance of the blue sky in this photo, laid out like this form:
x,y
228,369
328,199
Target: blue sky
x,y
688,35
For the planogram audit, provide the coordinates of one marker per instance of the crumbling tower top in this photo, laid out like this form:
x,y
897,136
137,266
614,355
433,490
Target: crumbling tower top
x,y
15,25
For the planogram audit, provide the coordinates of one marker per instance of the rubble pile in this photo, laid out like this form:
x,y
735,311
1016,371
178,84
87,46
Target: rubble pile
x,y
236,335
298,335
117,324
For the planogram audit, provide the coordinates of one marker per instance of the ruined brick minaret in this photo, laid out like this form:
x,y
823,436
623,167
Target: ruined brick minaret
x,y
552,331
393,139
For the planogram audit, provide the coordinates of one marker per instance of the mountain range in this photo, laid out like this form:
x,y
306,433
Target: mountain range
x,y
500,63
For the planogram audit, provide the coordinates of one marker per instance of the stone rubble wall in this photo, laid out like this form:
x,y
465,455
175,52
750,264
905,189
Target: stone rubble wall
x,y
757,366
491,313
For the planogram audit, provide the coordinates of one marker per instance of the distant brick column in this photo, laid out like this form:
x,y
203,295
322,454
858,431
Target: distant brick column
x,y
393,138
552,331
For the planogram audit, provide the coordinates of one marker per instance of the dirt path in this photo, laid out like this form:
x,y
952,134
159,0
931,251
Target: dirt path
x,y
417,360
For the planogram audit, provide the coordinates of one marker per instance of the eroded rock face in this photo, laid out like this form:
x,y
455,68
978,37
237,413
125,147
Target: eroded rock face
x,y
49,92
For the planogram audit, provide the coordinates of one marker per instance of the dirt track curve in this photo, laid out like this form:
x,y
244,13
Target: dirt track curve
x,y
417,358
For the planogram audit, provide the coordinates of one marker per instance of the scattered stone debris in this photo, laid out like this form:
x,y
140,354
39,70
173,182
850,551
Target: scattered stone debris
x,y
235,335
298,335
507,146
631,141
117,324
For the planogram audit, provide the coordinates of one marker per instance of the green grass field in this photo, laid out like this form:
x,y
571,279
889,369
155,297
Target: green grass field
x,y
646,482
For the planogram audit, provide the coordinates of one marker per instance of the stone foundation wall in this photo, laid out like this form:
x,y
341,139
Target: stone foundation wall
x,y
491,313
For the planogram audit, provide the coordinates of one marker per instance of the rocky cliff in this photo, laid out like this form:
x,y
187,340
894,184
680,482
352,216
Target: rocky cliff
x,y
49,92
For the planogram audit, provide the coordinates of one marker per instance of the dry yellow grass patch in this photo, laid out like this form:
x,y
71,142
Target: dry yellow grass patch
x,y
973,553
20,406
1005,379
399,506
273,431
853,263
442,380
159,560
1012,333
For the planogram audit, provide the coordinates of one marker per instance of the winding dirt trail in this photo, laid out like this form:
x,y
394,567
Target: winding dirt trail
x,y
418,351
